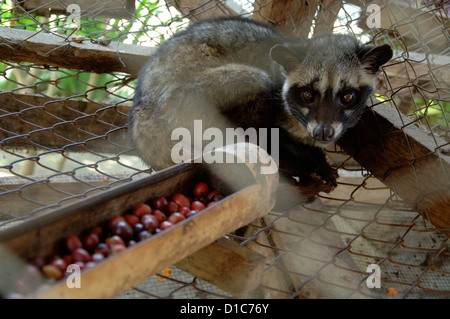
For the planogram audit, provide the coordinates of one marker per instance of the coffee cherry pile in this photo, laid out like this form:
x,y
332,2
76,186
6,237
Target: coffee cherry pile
x,y
114,236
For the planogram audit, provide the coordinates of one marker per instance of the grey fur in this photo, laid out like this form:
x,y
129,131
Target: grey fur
x,y
239,73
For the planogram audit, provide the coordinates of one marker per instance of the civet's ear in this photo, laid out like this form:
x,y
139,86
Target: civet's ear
x,y
372,57
289,57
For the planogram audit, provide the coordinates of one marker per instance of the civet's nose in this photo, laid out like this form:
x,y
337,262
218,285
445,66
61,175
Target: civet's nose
x,y
323,133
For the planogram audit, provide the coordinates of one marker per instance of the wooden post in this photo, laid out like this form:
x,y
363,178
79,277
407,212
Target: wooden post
x,y
201,9
227,265
327,15
290,16
121,9
406,158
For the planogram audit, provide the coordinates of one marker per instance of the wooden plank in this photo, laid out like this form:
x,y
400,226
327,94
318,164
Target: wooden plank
x,y
112,9
227,265
201,9
56,50
406,158
290,16
32,120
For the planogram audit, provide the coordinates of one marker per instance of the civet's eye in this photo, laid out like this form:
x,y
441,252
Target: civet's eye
x,y
348,98
307,96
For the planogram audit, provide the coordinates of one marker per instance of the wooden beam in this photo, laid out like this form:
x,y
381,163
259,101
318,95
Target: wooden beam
x,y
32,121
112,9
289,16
406,158
43,48
201,9
227,265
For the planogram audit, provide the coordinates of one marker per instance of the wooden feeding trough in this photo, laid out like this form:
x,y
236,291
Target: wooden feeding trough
x,y
249,196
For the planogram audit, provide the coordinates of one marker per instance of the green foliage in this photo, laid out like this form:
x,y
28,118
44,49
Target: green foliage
x,y
432,112
26,78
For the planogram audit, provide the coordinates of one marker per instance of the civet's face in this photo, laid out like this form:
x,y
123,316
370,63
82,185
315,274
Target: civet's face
x,y
329,79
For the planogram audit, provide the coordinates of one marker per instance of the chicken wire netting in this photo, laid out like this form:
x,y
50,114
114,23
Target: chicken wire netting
x,y
63,137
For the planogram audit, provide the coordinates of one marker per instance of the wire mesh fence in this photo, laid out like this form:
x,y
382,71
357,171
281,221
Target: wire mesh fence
x,y
63,136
